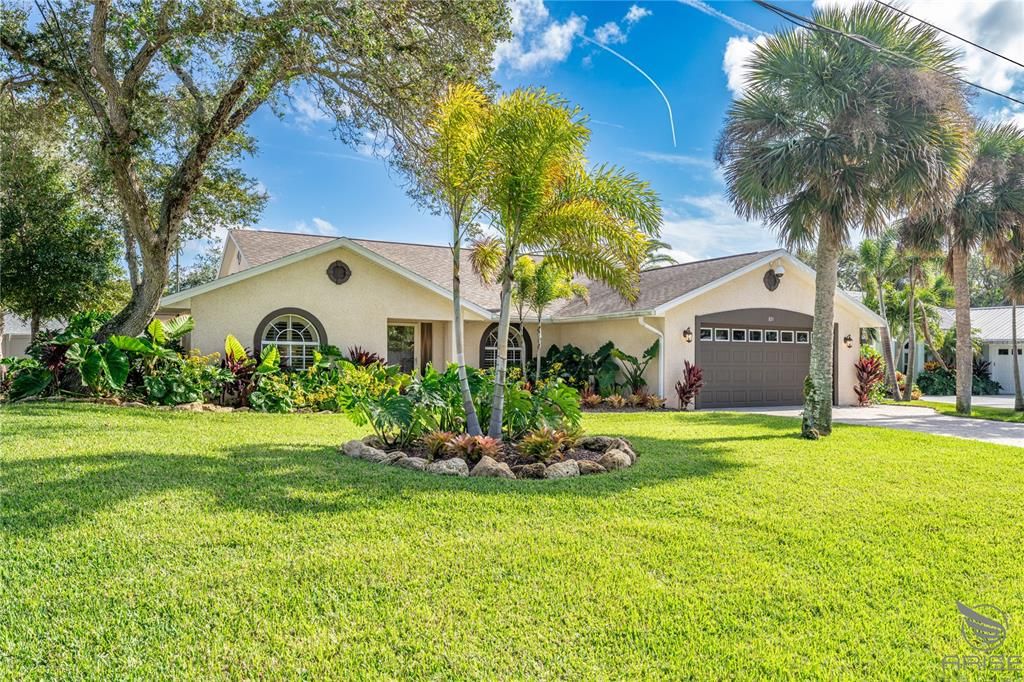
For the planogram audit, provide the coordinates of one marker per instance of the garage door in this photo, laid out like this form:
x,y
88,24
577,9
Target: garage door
x,y
755,360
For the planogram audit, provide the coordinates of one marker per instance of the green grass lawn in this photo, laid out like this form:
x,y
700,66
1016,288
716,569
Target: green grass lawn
x,y
139,544
999,414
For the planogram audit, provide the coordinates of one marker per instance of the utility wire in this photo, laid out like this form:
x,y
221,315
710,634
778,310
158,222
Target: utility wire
x,y
958,37
804,22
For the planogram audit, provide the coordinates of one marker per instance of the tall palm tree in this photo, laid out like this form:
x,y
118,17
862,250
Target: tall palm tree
x,y
551,283
545,202
1008,256
655,256
879,265
830,135
981,214
453,173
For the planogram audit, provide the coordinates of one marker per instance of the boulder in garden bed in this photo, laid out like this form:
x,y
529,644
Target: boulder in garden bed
x,y
449,467
567,469
588,467
535,470
414,463
490,468
615,459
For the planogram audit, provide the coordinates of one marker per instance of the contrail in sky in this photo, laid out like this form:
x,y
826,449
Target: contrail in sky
x,y
668,105
704,7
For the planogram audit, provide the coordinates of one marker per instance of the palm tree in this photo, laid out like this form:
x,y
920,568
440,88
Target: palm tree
x,y
981,214
545,202
550,283
831,134
879,264
1008,256
655,256
453,173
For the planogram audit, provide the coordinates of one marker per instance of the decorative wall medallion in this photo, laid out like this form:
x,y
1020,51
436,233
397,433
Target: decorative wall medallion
x,y
338,272
771,280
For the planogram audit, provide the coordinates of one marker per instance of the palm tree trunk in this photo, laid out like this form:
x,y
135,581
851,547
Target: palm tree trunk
x,y
890,362
964,349
1018,396
472,421
928,339
504,319
908,394
540,344
817,415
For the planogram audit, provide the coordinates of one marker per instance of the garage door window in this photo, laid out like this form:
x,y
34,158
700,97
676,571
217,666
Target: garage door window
x,y
721,335
803,337
705,334
755,335
786,336
771,335
739,334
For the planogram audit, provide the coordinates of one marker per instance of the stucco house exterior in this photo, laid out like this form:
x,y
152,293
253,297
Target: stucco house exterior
x,y
994,329
736,317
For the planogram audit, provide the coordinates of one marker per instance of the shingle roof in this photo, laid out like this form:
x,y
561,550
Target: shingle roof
x,y
993,324
657,286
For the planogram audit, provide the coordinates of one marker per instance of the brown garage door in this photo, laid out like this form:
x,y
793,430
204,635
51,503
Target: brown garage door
x,y
759,358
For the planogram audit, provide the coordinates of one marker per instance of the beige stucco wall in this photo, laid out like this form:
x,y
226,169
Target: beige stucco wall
x,y
354,313
795,293
627,333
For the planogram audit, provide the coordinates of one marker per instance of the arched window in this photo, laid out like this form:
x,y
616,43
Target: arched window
x,y
519,346
296,335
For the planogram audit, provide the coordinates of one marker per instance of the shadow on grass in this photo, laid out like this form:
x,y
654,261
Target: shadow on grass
x,y
41,494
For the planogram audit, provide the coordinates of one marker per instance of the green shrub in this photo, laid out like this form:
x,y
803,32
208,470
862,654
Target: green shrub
x,y
194,378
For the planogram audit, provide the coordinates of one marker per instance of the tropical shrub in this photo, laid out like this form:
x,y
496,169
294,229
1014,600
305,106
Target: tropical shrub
x,y
436,442
441,395
935,380
194,378
615,401
654,402
596,371
689,387
244,373
550,403
870,373
362,357
544,444
633,369
274,393
474,448
591,399
637,399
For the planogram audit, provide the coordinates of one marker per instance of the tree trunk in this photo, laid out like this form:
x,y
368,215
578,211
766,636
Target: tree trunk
x,y
887,355
34,324
964,349
817,415
504,320
131,256
472,422
2,327
145,298
928,339
908,393
540,344
1018,396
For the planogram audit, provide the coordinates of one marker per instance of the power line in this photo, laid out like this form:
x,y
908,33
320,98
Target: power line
x,y
958,37
804,22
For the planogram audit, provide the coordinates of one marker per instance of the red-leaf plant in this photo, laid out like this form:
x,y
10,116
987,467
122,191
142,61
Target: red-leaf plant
x,y
690,385
870,373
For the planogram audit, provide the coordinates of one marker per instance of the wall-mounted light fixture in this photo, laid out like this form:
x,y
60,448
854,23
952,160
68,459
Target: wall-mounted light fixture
x,y
848,341
773,277
688,335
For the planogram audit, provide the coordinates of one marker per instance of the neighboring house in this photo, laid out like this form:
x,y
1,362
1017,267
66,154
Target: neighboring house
x,y
17,334
994,328
747,328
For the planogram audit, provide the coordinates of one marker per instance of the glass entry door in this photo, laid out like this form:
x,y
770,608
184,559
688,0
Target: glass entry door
x,y
402,346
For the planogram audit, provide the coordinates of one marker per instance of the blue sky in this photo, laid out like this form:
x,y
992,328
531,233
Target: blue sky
x,y
693,50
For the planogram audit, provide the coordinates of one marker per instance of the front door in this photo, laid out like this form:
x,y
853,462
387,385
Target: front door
x,y
402,346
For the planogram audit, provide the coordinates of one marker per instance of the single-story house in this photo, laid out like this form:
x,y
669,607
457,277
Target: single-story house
x,y
744,319
994,328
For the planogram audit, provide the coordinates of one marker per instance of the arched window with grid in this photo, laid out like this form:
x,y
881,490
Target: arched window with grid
x,y
295,338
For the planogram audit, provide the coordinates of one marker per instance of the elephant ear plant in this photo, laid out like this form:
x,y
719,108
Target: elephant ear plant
x,y
634,369
245,372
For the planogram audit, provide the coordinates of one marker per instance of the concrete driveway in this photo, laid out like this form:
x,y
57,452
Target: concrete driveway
x,y
921,419
976,400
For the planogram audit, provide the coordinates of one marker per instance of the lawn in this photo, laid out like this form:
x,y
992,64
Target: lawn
x,y
138,544
999,414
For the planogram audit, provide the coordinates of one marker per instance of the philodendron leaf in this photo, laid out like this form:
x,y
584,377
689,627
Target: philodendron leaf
x,y
270,358
132,344
92,368
156,332
234,349
30,382
117,366
179,326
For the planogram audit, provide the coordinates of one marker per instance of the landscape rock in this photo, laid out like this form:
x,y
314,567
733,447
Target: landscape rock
x,y
615,459
597,443
189,407
624,445
449,467
587,467
242,409
415,463
567,469
373,441
489,467
535,470
393,457
360,450
133,403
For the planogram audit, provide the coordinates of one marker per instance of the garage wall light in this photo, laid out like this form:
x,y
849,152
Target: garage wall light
x,y
688,335
848,341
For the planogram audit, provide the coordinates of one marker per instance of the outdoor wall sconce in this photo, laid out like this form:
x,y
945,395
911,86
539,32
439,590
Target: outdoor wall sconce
x,y
773,277
848,341
688,335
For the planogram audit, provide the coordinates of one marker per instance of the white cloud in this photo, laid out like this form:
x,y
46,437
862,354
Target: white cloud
x,y
609,33
1014,114
317,225
705,226
678,159
537,40
738,52
996,24
636,13
307,110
